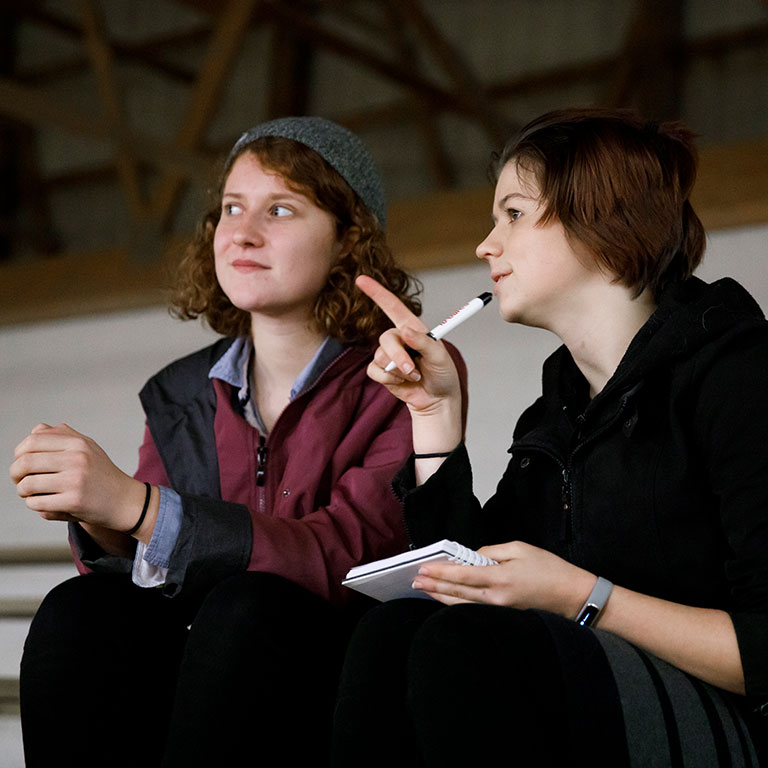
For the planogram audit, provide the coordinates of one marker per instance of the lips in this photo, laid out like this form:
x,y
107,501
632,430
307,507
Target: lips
x,y
498,278
247,265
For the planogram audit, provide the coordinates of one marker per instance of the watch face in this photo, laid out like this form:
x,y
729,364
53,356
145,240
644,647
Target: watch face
x,y
588,615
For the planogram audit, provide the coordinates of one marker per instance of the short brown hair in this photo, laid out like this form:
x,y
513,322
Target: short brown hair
x,y
619,185
341,310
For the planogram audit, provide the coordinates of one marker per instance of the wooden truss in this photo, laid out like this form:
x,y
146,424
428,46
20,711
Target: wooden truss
x,y
53,280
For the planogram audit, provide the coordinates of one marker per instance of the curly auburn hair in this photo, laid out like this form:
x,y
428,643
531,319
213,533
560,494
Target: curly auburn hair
x,y
341,310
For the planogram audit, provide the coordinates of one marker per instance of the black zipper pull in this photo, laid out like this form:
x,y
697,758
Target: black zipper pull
x,y
261,457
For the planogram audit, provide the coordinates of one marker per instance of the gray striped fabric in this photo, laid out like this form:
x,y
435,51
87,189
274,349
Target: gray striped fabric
x,y
673,720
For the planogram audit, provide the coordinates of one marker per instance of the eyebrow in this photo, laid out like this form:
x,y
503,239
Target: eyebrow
x,y
504,200
271,196
511,196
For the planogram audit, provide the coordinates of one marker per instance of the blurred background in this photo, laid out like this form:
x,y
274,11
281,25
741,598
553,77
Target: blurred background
x,y
113,114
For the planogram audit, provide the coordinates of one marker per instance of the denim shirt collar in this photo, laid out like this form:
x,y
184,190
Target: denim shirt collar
x,y
234,367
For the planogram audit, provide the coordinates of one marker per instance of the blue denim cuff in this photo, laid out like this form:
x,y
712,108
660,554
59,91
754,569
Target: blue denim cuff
x,y
166,530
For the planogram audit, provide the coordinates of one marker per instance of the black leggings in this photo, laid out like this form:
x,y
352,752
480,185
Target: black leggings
x,y
430,685
111,675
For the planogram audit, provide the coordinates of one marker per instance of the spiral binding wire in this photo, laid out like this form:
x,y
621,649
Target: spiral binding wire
x,y
467,556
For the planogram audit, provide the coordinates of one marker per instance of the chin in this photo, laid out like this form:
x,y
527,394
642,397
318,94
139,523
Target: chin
x,y
244,299
509,313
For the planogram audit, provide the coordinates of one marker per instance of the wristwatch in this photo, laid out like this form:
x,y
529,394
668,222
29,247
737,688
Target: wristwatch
x,y
595,603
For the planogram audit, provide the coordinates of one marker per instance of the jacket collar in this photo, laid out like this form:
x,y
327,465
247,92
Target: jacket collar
x,y
689,315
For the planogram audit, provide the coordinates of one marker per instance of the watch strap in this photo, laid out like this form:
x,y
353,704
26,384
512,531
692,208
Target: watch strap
x,y
595,603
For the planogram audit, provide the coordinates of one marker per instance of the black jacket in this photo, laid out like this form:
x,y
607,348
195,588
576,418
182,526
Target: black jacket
x,y
659,483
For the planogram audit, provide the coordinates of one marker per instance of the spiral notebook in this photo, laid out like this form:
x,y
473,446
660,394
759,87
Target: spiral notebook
x,y
392,577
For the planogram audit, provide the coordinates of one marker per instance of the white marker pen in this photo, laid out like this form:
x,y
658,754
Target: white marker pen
x,y
457,318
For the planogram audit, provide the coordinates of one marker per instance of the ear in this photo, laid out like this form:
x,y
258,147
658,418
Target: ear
x,y
348,240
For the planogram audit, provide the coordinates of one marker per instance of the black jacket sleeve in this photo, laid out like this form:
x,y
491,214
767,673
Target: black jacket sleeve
x,y
445,507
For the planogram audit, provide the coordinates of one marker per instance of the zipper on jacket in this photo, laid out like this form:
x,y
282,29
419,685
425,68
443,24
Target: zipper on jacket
x,y
408,536
565,496
566,480
566,491
261,458
262,452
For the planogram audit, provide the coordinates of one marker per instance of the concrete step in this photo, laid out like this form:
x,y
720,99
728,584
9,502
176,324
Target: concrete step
x,y
35,555
26,576
11,751
9,696
19,607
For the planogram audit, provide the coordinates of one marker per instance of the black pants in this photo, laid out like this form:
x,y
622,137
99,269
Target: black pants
x,y
430,685
111,675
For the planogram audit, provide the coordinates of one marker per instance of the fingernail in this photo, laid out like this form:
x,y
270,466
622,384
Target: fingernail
x,y
415,376
416,584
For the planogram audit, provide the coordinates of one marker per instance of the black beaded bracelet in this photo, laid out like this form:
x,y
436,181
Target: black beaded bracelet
x,y
143,510
441,455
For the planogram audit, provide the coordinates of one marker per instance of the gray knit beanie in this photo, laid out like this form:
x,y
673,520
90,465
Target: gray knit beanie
x,y
339,147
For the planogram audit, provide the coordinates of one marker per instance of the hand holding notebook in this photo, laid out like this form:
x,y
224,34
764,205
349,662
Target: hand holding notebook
x,y
392,577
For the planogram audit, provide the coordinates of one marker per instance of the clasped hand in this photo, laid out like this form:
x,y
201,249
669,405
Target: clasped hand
x,y
64,475
525,577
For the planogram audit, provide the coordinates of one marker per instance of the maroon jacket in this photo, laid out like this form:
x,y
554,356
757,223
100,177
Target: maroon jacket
x,y
307,503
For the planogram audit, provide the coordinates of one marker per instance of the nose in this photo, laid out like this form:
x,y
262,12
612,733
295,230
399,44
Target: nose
x,y
247,232
488,247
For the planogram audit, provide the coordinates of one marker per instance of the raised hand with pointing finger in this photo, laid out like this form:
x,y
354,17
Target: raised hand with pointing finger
x,y
427,382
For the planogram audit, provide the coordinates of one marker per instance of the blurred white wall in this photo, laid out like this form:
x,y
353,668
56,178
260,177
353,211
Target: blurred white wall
x,y
87,372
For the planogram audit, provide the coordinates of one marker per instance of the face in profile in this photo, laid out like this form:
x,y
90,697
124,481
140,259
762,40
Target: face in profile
x,y
539,274
273,247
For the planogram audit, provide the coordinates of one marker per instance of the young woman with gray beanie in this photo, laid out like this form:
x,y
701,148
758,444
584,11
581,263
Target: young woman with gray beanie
x,y
264,476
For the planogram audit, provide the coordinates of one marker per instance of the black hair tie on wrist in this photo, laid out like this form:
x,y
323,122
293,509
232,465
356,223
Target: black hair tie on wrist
x,y
143,511
432,455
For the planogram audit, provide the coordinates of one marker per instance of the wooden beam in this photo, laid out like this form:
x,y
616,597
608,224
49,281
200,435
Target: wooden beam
x,y
149,53
303,24
392,112
346,11
290,73
732,185
560,76
566,75
35,107
469,88
81,284
100,54
46,111
439,230
219,60
12,172
71,67
649,72
432,232
723,43
443,229
102,173
32,223
598,69
425,119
